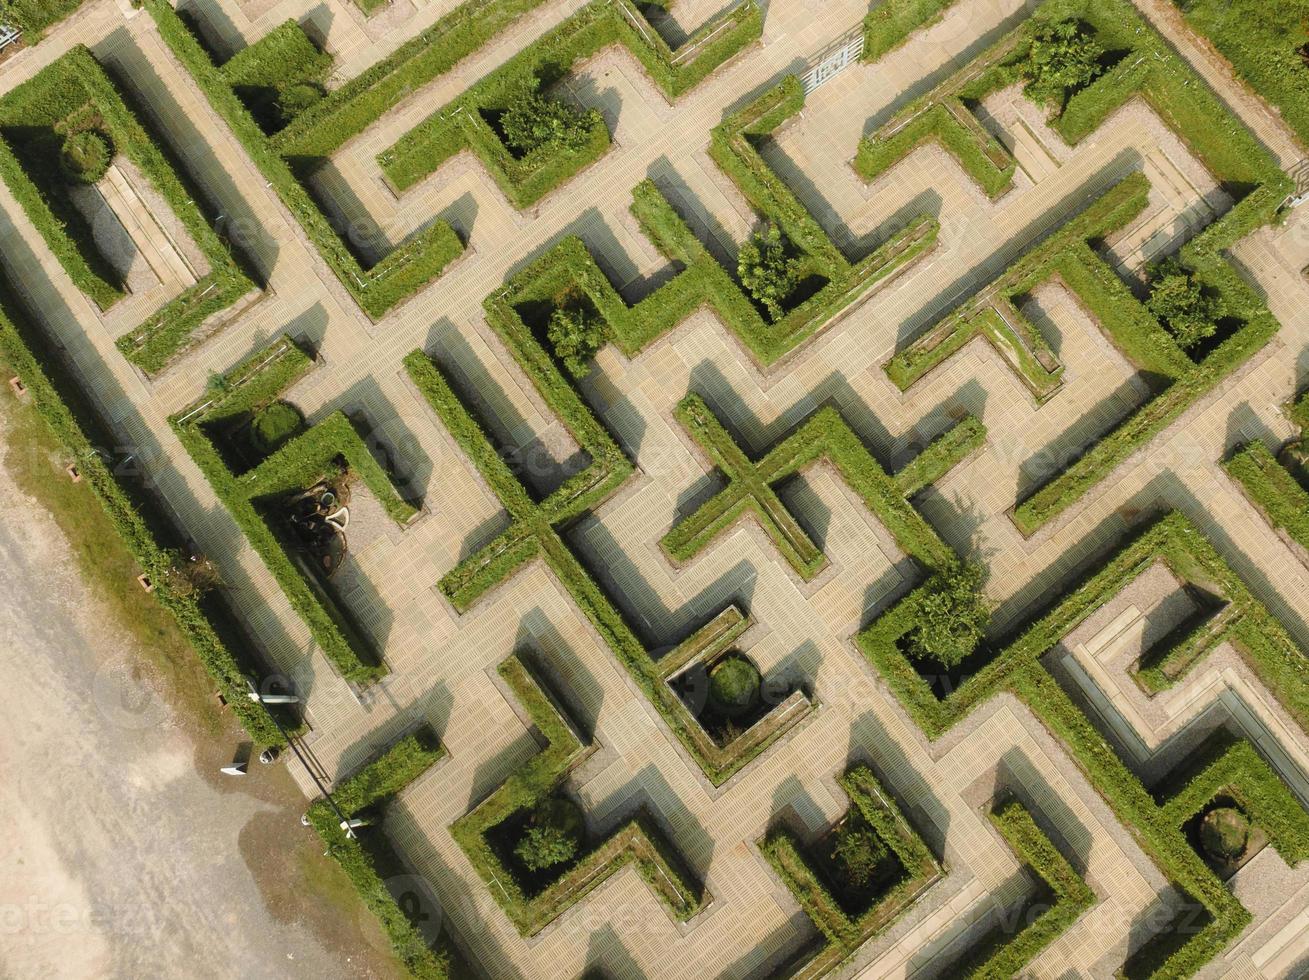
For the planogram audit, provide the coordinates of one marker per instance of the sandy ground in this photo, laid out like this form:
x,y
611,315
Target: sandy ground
x,y
123,855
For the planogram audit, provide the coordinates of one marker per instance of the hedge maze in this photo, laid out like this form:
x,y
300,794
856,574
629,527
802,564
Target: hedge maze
x,y
38,119
533,898
824,435
809,782
216,431
905,870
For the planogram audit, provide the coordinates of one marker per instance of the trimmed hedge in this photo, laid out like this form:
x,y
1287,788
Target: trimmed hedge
x,y
373,788
842,934
1260,40
32,117
945,121
1063,254
824,435
35,17
1233,767
1016,666
1272,489
261,73
461,124
60,402
637,841
1148,68
1002,956
889,23
327,449
532,535
377,288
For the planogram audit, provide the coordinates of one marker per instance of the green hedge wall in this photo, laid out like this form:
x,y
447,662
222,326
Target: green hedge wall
x,y
378,288
533,534
844,935
1015,666
460,124
1230,766
824,435
1261,40
1002,956
637,841
31,118
1147,67
1272,489
61,403
889,23
367,867
35,17
327,449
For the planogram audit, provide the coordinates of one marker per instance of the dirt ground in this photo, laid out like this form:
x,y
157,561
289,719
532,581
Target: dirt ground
x,y
125,852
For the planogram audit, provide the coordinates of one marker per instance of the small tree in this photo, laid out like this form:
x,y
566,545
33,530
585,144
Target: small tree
x,y
952,616
1179,302
767,270
532,121
858,851
553,837
1062,57
576,334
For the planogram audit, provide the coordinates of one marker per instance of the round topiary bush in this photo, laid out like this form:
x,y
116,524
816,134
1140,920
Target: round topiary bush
x,y
734,685
85,156
1224,833
553,835
274,426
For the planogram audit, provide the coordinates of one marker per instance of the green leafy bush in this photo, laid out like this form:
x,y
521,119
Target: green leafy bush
x,y
85,156
734,685
1180,303
533,122
858,851
952,615
768,270
576,332
1062,58
553,835
1224,833
296,98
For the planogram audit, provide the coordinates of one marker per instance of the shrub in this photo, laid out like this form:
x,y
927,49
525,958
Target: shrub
x,y
85,156
533,121
1180,303
296,98
576,333
952,616
767,270
554,835
275,426
191,578
1224,833
1062,58
734,685
857,851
